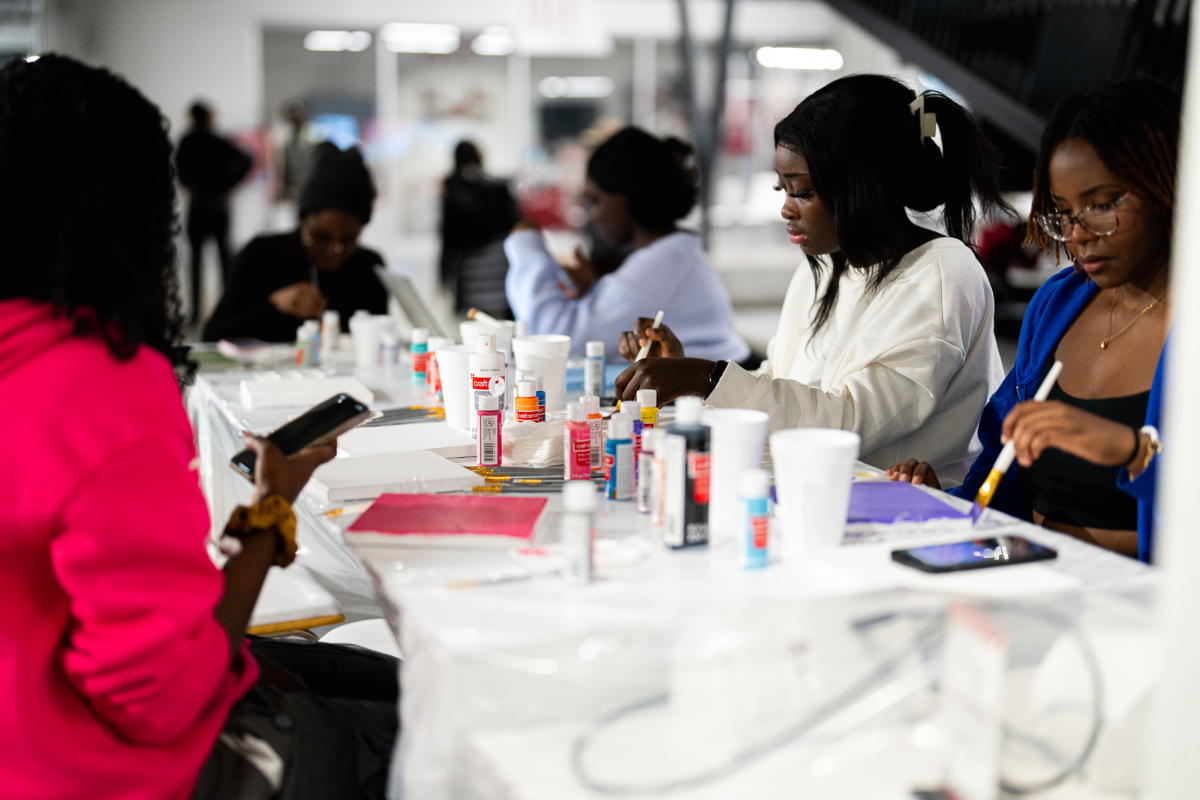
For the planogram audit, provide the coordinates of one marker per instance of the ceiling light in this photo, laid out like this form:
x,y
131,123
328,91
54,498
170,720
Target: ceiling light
x,y
337,41
595,86
496,40
419,37
31,59
799,58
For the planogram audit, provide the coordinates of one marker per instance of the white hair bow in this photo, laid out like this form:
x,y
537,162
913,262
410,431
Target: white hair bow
x,y
928,121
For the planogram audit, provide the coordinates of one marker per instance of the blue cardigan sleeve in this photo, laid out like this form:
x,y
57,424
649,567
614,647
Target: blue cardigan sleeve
x,y
1009,497
1144,486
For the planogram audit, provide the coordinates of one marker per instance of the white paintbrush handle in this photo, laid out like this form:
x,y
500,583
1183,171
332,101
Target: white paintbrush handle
x,y
645,351
1005,459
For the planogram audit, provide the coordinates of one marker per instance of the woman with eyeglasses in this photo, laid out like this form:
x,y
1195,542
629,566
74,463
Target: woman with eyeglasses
x,y
1104,190
280,281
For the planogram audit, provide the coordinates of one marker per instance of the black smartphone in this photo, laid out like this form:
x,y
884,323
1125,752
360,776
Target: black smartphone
x,y
975,554
324,421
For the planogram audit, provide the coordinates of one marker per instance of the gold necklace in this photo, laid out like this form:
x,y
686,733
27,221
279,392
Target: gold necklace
x,y
1104,342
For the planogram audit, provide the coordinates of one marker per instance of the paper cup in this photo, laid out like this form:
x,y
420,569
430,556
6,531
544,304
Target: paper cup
x,y
546,354
813,470
737,439
456,384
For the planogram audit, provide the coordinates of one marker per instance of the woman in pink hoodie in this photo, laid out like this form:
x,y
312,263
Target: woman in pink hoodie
x,y
122,651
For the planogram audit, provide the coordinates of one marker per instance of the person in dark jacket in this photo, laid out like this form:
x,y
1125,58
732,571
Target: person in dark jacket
x,y
477,213
209,167
282,280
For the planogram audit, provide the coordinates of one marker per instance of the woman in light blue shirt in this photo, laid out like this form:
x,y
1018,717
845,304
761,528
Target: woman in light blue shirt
x,y
638,188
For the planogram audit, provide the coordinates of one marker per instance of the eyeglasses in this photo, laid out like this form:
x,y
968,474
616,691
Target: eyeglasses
x,y
1100,219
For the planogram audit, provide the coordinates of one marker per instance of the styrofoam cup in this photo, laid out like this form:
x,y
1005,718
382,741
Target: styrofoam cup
x,y
813,470
545,354
456,380
737,439
503,329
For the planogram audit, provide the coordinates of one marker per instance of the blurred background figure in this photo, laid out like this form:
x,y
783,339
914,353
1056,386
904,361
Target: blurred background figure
x,y
295,154
477,213
209,167
281,280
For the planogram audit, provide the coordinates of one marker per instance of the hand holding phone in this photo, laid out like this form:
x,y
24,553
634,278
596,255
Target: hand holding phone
x,y
320,424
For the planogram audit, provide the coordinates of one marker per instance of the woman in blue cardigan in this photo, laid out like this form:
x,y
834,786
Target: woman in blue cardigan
x,y
1104,190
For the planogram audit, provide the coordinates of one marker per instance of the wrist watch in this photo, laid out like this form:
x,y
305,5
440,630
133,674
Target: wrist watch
x,y
1154,447
714,377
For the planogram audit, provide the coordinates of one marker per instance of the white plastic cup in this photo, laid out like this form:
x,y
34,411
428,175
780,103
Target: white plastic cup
x,y
456,380
546,354
813,471
368,336
503,331
737,439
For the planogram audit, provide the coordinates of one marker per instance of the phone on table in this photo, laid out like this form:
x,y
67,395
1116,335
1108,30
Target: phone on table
x,y
974,554
321,423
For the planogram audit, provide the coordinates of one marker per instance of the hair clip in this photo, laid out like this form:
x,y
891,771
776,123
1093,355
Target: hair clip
x,y
928,121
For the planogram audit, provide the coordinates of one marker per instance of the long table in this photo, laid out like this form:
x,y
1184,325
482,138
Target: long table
x,y
526,687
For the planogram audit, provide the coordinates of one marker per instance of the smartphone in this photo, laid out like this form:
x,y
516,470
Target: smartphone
x,y
321,423
975,554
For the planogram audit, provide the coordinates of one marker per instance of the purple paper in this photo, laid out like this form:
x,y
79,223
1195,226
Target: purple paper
x,y
896,502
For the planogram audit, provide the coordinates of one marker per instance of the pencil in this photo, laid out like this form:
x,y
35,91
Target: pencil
x,y
1005,459
646,347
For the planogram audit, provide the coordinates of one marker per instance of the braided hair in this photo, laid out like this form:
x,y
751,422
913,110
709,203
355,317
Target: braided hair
x,y
1133,125
651,173
869,163
87,215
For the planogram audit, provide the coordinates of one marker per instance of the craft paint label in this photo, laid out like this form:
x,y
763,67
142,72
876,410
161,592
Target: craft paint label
x,y
581,458
758,532
527,410
697,467
597,443
419,363
489,440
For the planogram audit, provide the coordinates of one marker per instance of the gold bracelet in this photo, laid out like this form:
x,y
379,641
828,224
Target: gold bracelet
x,y
272,513
1153,445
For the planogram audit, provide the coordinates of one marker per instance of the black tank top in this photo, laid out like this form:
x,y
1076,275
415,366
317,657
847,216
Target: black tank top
x,y
1067,489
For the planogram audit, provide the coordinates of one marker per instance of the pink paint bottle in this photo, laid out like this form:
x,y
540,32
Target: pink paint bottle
x,y
577,444
490,432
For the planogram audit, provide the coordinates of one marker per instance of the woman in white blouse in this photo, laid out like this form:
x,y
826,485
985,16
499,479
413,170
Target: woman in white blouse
x,y
889,333
638,187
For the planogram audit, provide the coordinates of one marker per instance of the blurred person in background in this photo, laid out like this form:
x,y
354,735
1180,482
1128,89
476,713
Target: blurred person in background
x,y
281,280
295,151
638,188
477,213
129,673
209,167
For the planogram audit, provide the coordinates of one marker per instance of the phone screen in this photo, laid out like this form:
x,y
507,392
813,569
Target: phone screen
x,y
974,554
319,424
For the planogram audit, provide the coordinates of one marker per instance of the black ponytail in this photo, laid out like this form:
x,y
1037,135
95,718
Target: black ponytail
x,y
869,163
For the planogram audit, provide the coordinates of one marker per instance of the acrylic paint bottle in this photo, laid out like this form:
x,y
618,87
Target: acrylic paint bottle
x,y
331,331
618,458
633,410
577,444
487,370
302,346
685,482
541,396
645,470
648,400
593,369
596,422
314,343
527,405
389,349
578,530
491,427
657,477
754,537
433,378
419,348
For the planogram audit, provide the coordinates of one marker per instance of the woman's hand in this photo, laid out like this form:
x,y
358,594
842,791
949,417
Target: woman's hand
x,y
918,473
663,341
580,273
669,377
1034,426
301,300
275,473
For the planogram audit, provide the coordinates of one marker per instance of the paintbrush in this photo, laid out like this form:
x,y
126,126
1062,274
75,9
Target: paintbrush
x,y
1005,459
646,347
